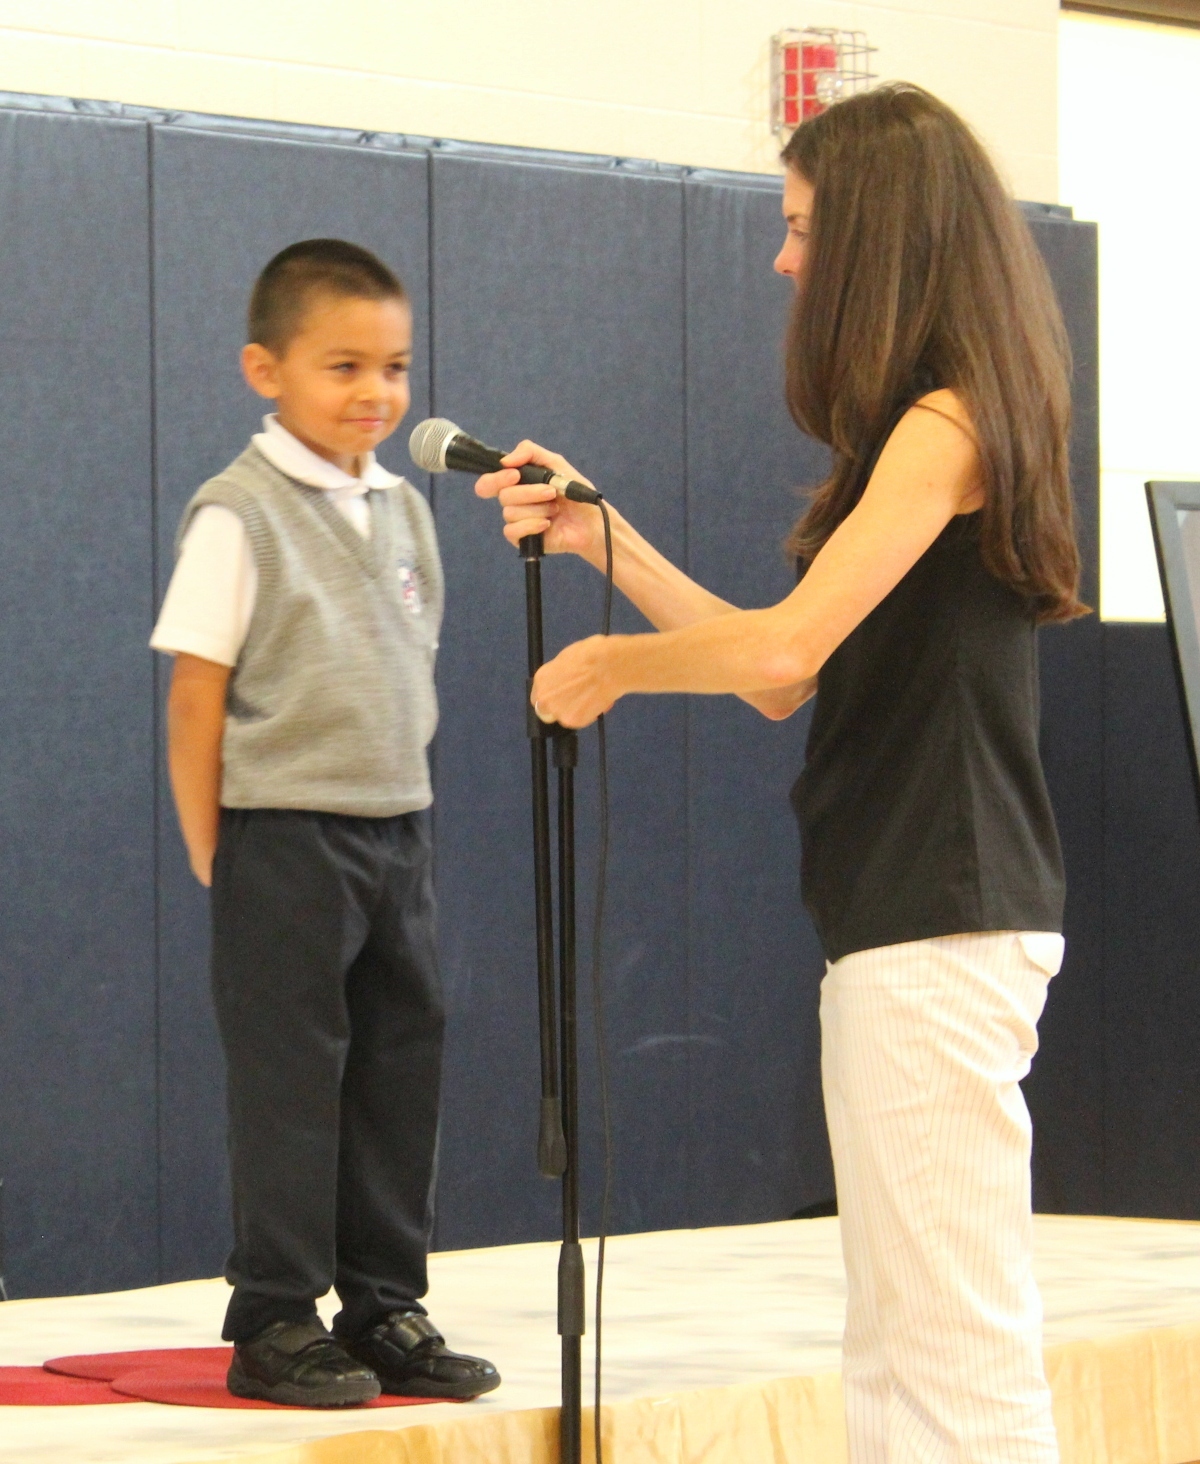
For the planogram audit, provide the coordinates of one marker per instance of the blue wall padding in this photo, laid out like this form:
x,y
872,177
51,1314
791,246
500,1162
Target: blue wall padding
x,y
558,314
1151,994
1066,1089
628,315
78,1134
223,205
1070,251
755,1103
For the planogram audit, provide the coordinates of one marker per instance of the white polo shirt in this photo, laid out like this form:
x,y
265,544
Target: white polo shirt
x,y
211,596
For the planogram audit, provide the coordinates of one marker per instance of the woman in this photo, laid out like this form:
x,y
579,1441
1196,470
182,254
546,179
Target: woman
x,y
926,349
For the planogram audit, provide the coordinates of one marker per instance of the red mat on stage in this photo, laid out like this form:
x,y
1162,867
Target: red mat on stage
x,y
34,1387
105,1366
193,1377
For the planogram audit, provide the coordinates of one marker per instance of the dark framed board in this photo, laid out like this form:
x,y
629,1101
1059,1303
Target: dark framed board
x,y
1175,519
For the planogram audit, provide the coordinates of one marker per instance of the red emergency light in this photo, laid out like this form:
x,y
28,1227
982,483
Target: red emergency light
x,y
811,69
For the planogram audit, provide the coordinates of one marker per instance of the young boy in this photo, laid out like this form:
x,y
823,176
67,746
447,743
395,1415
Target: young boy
x,y
303,616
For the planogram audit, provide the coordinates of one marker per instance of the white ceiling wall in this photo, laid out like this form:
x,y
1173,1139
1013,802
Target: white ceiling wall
x,y
683,81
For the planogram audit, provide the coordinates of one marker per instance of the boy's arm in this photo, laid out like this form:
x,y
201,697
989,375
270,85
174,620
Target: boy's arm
x,y
195,726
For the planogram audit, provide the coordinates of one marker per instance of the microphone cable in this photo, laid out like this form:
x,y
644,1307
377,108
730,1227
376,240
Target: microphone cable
x,y
597,988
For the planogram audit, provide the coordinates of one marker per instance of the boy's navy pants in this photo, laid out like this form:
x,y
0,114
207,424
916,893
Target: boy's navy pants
x,y
329,1005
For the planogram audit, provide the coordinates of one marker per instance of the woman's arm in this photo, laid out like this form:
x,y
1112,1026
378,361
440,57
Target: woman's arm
x,y
664,594
670,601
667,597
195,727
927,473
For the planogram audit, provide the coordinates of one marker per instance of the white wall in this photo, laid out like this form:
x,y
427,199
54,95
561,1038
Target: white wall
x,y
1130,159
679,80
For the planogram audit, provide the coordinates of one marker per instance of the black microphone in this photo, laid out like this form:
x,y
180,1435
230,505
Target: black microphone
x,y
439,445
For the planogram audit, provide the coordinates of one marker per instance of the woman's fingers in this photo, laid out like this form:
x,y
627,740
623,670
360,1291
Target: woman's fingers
x,y
529,508
524,452
536,508
531,513
573,688
491,484
533,452
521,495
507,486
525,507
524,528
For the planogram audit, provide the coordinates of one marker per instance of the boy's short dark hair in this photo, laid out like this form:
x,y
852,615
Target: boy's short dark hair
x,y
281,293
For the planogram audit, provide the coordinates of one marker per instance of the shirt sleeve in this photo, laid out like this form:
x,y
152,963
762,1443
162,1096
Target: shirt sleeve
x,y
209,602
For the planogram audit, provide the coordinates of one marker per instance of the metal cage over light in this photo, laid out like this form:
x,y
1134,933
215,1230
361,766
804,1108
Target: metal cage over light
x,y
813,68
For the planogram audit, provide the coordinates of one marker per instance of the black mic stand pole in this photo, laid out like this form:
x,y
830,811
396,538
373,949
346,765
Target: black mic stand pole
x,y
558,1136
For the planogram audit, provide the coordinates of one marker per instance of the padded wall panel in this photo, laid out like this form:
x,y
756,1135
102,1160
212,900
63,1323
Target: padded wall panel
x,y
77,1014
593,305
223,205
1151,934
1065,1091
557,315
757,1121
1069,248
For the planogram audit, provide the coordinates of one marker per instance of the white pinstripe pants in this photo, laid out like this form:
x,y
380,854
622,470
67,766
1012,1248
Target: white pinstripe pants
x,y
923,1046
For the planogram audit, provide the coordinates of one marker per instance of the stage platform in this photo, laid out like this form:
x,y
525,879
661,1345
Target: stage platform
x,y
721,1347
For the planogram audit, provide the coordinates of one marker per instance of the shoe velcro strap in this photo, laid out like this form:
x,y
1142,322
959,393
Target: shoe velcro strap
x,y
407,1331
324,1351
293,1337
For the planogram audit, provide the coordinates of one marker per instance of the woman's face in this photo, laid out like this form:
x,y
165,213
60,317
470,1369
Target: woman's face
x,y
797,212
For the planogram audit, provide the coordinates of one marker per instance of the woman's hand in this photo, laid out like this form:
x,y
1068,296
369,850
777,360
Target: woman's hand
x,y
576,687
535,508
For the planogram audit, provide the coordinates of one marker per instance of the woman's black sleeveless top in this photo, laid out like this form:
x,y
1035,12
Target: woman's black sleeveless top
x,y
922,806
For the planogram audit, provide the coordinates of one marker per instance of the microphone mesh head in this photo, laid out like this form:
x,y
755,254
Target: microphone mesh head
x,y
429,441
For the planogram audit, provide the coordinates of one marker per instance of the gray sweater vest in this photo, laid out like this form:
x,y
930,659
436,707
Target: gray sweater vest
x,y
331,704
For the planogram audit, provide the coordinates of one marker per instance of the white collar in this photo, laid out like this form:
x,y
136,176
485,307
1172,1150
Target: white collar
x,y
290,456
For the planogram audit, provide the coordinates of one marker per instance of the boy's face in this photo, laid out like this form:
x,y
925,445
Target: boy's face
x,y
341,386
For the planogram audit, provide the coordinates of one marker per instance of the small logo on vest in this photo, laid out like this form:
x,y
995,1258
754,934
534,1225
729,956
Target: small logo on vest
x,y
410,590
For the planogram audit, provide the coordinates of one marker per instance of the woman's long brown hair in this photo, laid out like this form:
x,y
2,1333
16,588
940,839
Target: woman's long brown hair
x,y
918,265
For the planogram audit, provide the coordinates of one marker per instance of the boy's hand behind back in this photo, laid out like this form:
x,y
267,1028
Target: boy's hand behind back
x,y
195,727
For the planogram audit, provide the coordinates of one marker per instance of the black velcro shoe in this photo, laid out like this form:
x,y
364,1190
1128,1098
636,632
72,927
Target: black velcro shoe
x,y
300,1364
410,1357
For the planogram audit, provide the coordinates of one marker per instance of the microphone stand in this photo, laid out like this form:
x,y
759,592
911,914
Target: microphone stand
x,y
558,1136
